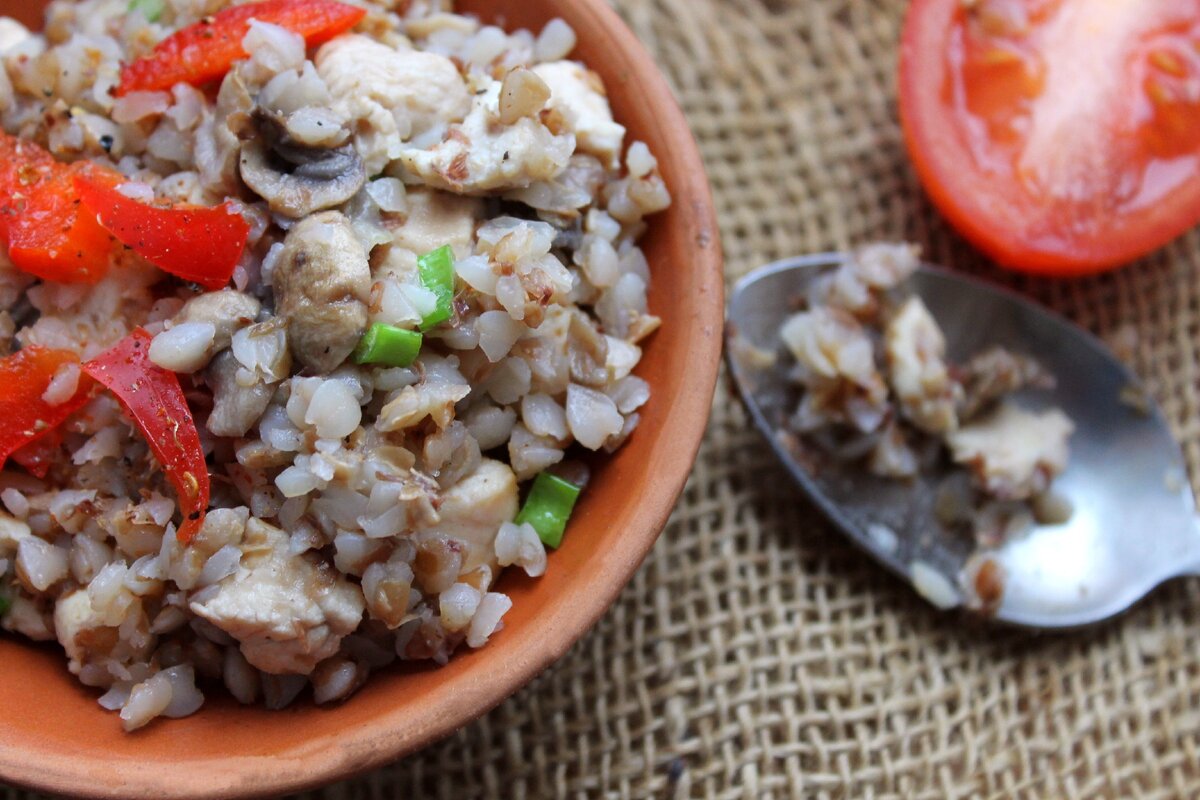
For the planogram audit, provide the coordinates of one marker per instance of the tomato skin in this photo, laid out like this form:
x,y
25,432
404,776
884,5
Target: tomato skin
x,y
1016,229
40,222
205,51
197,244
154,399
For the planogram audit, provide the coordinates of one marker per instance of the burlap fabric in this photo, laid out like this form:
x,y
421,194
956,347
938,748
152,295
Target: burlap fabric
x,y
757,654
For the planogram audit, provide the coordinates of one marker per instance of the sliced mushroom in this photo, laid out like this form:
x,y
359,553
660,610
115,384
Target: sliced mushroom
x,y
295,179
235,407
322,281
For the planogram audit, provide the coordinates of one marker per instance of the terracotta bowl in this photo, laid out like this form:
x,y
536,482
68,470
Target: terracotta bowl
x,y
55,737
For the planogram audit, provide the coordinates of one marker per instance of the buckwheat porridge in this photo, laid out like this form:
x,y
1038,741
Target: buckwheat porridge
x,y
297,296
876,387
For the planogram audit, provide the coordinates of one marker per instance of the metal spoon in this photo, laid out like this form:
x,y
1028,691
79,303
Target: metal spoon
x,y
1134,523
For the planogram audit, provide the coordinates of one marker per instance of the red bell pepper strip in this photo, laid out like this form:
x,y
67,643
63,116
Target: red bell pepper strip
x,y
40,221
37,456
155,401
195,243
205,51
24,416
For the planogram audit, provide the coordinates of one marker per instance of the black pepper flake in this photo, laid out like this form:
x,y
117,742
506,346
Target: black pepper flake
x,y
107,143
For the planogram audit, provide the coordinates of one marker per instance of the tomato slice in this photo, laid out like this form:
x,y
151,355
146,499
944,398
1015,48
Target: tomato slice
x,y
205,51
1059,136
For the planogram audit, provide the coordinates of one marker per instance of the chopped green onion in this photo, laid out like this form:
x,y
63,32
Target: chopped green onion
x,y
389,345
5,604
437,275
151,9
548,507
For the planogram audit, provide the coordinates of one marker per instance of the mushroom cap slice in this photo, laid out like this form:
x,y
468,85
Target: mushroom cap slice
x,y
297,181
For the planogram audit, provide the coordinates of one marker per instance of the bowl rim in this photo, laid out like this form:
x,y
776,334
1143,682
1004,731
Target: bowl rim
x,y
384,740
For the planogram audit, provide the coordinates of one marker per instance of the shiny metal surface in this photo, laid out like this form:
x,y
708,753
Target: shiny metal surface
x,y
1134,523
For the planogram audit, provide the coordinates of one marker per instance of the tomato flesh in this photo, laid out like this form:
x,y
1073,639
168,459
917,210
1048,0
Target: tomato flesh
x,y
1060,136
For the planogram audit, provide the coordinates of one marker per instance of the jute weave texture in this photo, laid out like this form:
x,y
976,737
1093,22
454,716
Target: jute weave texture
x,y
756,654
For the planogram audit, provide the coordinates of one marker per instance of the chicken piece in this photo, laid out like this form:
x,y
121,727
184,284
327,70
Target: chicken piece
x,y
288,612
81,630
394,95
842,288
996,372
916,354
885,265
837,367
483,155
473,510
435,219
1014,453
228,310
236,407
322,281
578,95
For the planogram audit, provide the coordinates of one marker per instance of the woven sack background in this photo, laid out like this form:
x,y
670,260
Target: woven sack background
x,y
756,653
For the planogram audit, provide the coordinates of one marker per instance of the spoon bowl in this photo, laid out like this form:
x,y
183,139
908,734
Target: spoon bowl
x,y
1133,523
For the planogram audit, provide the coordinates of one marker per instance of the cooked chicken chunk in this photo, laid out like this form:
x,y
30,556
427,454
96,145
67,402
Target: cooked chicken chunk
x,y
885,265
837,366
322,281
482,155
91,629
1014,453
916,354
578,95
288,612
473,510
395,95
81,630
995,373
435,219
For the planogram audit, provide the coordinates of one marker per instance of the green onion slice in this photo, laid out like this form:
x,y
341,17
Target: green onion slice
x,y
548,507
437,275
151,9
388,345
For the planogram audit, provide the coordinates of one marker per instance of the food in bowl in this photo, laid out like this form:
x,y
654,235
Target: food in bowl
x,y
297,295
876,387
